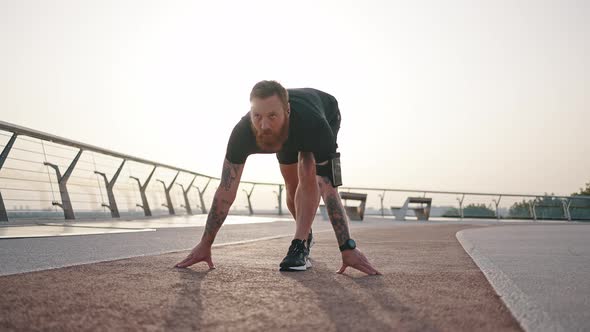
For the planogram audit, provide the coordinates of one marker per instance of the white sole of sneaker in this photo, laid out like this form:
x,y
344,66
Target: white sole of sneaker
x,y
297,268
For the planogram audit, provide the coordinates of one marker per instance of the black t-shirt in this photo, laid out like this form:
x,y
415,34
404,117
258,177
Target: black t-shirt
x,y
313,124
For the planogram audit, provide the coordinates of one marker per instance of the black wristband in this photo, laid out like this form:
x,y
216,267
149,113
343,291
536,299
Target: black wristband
x,y
348,245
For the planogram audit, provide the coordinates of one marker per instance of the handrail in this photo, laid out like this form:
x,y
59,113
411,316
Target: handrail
x,y
66,202
464,193
19,130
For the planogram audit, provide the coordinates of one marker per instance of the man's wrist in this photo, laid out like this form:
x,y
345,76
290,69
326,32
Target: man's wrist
x,y
349,244
207,240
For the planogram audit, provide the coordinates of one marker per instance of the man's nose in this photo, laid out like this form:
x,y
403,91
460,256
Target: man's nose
x,y
265,124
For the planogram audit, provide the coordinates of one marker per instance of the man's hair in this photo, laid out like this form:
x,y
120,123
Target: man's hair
x,y
265,89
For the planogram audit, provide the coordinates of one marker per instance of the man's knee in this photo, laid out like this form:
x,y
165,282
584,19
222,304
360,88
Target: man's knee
x,y
291,196
325,184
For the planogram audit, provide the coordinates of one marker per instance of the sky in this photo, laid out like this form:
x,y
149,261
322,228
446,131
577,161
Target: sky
x,y
481,96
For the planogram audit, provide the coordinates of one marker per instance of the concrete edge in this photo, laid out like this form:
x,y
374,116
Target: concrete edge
x,y
114,231
528,314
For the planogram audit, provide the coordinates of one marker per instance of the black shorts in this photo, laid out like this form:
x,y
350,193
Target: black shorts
x,y
292,157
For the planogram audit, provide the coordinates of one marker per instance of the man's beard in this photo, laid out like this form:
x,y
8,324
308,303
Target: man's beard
x,y
269,141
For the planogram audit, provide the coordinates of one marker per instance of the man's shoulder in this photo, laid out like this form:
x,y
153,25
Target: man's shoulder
x,y
244,123
242,141
304,92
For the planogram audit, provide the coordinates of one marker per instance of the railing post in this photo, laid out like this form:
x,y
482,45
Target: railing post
x,y
3,213
532,209
497,206
142,188
461,205
3,156
109,187
566,209
201,199
248,194
169,204
382,197
187,204
280,199
66,203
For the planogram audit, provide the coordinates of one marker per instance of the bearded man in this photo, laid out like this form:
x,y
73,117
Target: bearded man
x,y
301,127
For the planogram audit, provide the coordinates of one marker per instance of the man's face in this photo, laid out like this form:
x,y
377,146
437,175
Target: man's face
x,y
270,123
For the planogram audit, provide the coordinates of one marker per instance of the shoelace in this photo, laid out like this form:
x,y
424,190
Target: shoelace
x,y
296,248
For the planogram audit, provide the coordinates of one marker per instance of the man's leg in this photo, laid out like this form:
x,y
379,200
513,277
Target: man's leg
x,y
303,207
307,196
289,172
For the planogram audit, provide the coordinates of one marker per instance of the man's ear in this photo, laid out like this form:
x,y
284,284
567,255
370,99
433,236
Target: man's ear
x,y
288,108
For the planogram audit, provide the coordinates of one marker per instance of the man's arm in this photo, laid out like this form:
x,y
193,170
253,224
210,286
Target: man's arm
x,y
222,201
353,258
335,210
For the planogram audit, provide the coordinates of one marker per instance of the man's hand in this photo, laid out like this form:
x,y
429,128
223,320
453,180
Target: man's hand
x,y
200,253
357,260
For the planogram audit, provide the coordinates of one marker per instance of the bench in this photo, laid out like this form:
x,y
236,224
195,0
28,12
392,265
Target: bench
x,y
353,212
422,211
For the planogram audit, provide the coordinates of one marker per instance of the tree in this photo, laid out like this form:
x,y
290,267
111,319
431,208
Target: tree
x,y
520,209
546,207
580,208
471,210
584,191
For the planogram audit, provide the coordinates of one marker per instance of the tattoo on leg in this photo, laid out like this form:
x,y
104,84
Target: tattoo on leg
x,y
324,180
228,175
336,213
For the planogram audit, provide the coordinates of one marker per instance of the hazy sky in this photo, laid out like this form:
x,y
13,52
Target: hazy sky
x,y
441,95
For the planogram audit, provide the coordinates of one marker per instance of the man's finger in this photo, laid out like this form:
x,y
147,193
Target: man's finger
x,y
342,268
363,268
182,262
372,269
366,262
188,262
210,263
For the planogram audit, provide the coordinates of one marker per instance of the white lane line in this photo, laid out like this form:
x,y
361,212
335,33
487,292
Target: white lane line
x,y
251,240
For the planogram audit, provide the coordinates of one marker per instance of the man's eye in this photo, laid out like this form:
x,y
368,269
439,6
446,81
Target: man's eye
x,y
272,116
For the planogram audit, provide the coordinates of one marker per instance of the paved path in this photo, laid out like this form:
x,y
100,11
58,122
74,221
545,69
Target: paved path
x,y
542,272
429,283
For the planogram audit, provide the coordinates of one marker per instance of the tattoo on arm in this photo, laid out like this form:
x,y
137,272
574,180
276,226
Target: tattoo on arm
x,y
228,175
217,215
336,213
223,199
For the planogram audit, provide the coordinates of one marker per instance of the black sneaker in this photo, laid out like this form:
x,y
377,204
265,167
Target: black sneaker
x,y
310,242
297,257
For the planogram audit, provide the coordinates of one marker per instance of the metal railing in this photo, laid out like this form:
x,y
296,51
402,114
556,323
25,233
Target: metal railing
x,y
64,167
35,167
535,208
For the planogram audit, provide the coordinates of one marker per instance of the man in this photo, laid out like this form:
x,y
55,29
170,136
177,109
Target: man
x,y
300,126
